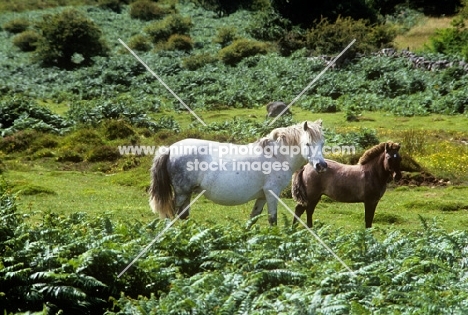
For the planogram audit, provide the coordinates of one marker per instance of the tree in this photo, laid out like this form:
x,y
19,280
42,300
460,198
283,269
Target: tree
x,y
69,39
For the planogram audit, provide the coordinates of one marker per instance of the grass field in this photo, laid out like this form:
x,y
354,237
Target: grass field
x,y
44,185
417,37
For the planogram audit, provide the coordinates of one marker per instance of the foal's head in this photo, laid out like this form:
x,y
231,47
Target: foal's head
x,y
393,159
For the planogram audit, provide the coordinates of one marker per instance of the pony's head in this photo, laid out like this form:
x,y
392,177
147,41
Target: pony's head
x,y
312,144
393,159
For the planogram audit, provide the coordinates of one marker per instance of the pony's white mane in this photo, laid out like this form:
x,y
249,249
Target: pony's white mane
x,y
292,135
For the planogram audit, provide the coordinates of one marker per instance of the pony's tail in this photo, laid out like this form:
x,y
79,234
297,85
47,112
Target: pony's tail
x,y
298,189
161,191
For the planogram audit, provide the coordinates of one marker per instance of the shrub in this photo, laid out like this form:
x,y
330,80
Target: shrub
x,y
83,136
16,26
195,62
18,141
300,12
179,42
67,34
225,36
268,26
145,10
103,153
139,42
118,129
291,41
160,31
241,49
451,40
113,5
27,40
331,38
68,155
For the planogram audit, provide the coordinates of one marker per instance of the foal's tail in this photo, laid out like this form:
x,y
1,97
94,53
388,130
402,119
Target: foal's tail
x,y
298,188
161,191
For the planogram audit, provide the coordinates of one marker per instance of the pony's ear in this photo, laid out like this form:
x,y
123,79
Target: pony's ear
x,y
387,146
318,122
305,126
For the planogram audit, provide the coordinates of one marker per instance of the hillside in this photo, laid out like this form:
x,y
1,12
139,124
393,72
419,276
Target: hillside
x,y
74,208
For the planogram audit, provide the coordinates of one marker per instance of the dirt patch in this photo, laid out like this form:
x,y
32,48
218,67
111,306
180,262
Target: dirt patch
x,y
421,178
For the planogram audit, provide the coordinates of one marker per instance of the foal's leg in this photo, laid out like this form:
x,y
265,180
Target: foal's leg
x,y
298,211
310,209
258,207
369,208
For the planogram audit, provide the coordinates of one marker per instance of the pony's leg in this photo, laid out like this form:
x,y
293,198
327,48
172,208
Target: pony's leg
x,y
258,207
369,208
272,204
182,202
298,211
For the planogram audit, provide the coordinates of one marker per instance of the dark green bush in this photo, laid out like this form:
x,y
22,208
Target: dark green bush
x,y
225,7
118,129
332,38
241,49
179,42
195,62
225,36
16,26
146,10
160,31
449,41
113,5
103,153
66,35
268,26
139,42
27,40
291,41
303,13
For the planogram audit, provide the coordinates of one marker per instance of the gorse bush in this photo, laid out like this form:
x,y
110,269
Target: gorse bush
x,y
195,62
160,31
225,35
16,26
268,26
27,40
241,49
331,38
146,10
140,42
179,42
113,5
66,35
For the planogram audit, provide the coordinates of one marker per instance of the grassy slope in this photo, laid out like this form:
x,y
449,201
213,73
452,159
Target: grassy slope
x,y
417,37
123,193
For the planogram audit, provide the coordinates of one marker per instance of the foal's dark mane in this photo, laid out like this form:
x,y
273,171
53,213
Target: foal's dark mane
x,y
375,151
372,153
